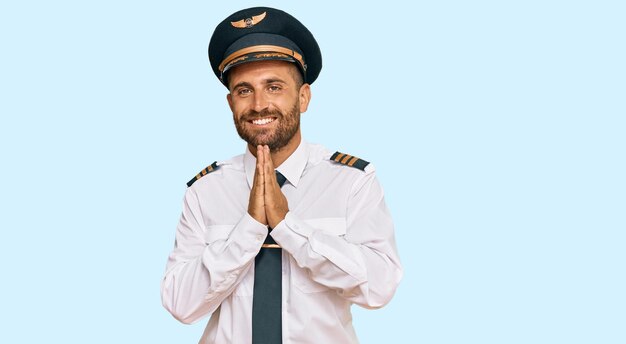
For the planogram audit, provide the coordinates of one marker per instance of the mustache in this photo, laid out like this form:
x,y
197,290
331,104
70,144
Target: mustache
x,y
250,115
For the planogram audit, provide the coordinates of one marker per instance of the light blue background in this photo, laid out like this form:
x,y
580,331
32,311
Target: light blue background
x,y
497,128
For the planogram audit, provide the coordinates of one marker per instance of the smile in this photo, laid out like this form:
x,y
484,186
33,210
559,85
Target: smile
x,y
263,121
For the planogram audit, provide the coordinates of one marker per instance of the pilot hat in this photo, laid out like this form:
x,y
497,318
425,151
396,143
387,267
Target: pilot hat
x,y
263,33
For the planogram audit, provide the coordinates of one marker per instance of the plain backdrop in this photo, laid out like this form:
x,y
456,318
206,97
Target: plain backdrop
x,y
497,129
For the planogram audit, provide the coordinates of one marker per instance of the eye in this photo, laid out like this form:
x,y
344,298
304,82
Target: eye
x,y
243,91
274,88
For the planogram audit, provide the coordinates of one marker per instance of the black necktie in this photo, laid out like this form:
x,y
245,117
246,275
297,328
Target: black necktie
x,y
266,301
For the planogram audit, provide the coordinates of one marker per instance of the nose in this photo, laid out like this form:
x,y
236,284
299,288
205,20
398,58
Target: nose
x,y
260,101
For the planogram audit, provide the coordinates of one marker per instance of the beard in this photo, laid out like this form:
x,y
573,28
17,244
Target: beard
x,y
288,125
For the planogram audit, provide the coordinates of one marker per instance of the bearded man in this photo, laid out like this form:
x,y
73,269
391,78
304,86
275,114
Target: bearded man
x,y
278,243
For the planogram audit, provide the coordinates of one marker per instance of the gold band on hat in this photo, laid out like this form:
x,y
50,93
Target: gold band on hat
x,y
261,48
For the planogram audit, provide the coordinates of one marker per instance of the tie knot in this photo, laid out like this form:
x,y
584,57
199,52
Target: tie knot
x,y
280,178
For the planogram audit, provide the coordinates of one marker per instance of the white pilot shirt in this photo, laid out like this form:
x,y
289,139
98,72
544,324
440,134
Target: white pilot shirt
x,y
338,249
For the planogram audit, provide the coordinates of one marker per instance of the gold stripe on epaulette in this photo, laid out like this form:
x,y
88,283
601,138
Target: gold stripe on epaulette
x,y
338,157
347,157
354,159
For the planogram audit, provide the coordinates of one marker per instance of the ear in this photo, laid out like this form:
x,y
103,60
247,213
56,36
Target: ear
x,y
305,97
229,98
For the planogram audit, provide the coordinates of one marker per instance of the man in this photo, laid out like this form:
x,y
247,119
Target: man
x,y
278,243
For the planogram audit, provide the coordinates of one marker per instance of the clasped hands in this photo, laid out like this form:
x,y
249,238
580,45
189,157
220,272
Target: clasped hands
x,y
267,203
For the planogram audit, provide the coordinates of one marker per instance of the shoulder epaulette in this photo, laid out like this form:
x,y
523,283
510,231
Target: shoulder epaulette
x,y
203,173
349,160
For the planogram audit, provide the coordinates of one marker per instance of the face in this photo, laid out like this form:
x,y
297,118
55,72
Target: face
x,y
266,100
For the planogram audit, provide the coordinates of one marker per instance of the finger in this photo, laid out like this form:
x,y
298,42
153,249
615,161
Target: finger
x,y
261,164
258,180
269,158
256,203
259,156
270,180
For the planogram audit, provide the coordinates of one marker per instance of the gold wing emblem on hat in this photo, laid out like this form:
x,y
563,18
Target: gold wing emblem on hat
x,y
249,22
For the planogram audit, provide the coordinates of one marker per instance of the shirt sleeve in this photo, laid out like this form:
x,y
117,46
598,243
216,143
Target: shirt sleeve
x,y
204,267
363,265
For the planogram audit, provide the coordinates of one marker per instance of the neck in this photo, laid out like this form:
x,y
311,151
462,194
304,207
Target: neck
x,y
280,155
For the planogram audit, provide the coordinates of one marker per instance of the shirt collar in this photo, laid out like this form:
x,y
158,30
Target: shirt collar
x,y
292,168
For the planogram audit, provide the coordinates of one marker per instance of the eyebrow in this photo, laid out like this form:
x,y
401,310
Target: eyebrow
x,y
271,81
241,84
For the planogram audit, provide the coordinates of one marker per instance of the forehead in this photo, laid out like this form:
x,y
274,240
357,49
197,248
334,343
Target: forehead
x,y
262,70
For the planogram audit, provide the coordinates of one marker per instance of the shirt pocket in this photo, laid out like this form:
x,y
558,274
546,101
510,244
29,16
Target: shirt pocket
x,y
302,276
215,233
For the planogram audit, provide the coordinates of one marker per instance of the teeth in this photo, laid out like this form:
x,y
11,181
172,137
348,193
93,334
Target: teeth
x,y
262,121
